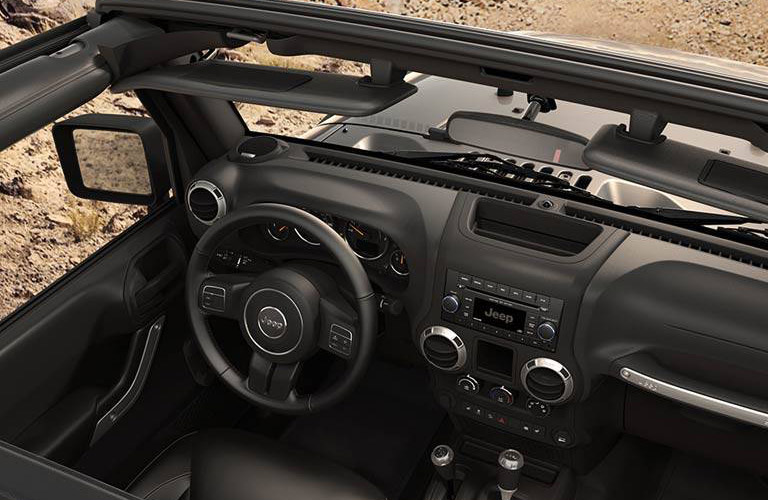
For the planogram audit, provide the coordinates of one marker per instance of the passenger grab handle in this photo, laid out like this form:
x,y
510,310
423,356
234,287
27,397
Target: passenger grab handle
x,y
642,372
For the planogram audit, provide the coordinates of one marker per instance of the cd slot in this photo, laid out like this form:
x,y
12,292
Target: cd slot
x,y
505,300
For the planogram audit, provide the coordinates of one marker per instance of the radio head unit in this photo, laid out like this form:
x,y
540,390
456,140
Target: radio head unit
x,y
502,310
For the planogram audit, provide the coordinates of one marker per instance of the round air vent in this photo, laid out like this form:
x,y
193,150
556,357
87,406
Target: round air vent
x,y
443,348
205,202
547,380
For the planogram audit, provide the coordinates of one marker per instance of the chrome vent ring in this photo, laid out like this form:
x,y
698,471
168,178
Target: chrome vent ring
x,y
547,380
206,202
443,348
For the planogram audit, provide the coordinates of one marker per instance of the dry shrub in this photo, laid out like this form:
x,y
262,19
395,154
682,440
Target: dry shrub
x,y
85,218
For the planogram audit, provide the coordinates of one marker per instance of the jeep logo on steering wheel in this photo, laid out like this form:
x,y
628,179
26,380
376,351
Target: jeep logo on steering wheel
x,y
272,322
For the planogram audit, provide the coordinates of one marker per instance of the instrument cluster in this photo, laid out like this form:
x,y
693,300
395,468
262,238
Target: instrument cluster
x,y
372,246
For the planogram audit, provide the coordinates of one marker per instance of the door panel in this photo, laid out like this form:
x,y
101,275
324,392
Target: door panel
x,y
72,353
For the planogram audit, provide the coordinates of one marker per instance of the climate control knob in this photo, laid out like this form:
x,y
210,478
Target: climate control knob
x,y
501,395
468,383
450,304
546,331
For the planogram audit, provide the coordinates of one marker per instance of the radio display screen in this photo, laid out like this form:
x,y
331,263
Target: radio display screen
x,y
498,315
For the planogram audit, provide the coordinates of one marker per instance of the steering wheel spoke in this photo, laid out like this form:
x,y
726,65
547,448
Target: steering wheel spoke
x,y
221,294
275,380
338,333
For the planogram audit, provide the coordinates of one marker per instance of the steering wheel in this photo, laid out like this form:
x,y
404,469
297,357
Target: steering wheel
x,y
285,314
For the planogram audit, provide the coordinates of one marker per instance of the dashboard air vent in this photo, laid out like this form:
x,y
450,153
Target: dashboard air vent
x,y
206,202
547,380
443,348
440,352
545,384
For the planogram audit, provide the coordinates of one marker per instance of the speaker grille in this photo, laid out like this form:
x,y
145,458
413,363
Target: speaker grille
x,y
258,146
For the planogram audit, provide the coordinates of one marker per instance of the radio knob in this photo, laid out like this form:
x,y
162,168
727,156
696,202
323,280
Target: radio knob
x,y
546,331
450,303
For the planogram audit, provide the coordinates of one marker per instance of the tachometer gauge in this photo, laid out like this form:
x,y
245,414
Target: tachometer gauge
x,y
304,234
279,231
367,243
398,263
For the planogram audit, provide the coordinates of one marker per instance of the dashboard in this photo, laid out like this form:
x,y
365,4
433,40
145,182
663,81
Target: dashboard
x,y
539,318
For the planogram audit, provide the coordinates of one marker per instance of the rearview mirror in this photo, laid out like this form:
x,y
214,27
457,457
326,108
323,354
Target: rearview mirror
x,y
510,135
113,158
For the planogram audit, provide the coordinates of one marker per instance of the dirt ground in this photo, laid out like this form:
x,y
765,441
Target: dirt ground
x,y
44,231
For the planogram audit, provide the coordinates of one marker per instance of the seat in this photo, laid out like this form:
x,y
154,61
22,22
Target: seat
x,y
235,465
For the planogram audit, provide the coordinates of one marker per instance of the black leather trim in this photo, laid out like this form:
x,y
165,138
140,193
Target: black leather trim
x,y
176,487
234,465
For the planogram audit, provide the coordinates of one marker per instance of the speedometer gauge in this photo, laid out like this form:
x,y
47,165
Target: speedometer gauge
x,y
304,234
367,243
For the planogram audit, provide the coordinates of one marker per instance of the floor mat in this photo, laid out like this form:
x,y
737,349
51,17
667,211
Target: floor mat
x,y
381,431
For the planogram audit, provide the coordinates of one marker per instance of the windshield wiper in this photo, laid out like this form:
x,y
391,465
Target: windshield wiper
x,y
750,234
490,164
692,218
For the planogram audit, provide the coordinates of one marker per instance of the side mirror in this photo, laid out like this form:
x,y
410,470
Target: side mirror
x,y
113,158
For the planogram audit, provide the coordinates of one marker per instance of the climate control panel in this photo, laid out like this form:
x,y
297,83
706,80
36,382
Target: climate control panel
x,y
509,410
501,310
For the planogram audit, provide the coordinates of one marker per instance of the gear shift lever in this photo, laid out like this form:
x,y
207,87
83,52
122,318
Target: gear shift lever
x,y
510,465
442,459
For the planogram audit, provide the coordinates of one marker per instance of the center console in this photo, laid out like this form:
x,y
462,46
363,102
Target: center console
x,y
499,332
483,381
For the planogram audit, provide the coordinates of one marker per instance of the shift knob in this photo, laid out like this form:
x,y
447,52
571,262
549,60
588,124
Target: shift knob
x,y
510,466
442,458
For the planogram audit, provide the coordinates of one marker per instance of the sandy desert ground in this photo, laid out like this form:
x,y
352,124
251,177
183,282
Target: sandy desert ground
x,y
44,231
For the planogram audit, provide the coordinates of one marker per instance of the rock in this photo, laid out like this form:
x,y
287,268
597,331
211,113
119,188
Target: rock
x,y
16,188
40,15
60,219
130,105
266,121
725,22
